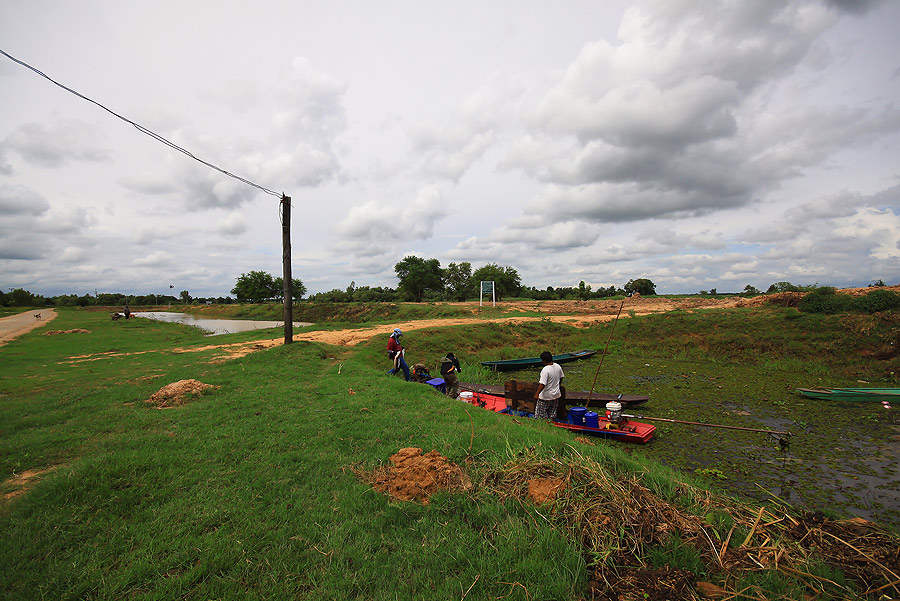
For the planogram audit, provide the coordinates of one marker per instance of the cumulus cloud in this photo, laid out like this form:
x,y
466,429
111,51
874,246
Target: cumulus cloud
x,y
18,200
149,182
57,142
158,258
232,225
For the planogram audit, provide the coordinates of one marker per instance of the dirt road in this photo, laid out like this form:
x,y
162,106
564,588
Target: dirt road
x,y
15,325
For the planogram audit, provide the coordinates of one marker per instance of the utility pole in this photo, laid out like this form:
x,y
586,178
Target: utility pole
x,y
286,268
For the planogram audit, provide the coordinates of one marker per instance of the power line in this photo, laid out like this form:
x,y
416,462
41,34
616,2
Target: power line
x,y
141,128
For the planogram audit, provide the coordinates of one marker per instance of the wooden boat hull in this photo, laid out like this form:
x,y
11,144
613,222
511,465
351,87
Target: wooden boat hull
x,y
852,394
632,431
529,362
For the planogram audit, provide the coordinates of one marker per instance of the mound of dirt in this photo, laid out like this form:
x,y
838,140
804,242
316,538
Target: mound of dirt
x,y
75,331
177,393
414,476
544,490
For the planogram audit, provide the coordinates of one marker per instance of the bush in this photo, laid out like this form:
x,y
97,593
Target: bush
x,y
878,300
825,300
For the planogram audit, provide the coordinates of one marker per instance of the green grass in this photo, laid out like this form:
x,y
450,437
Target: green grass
x,y
251,490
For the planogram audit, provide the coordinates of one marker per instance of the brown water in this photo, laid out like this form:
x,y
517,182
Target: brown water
x,y
213,326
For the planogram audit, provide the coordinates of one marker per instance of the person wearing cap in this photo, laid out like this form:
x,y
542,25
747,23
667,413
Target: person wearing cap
x,y
395,353
548,391
449,369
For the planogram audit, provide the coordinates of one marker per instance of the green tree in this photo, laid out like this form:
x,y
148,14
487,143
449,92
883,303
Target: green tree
x,y
458,278
506,279
584,292
185,297
642,286
417,275
297,289
255,287
748,289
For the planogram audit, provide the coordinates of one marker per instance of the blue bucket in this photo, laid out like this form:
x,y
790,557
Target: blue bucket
x,y
591,420
576,415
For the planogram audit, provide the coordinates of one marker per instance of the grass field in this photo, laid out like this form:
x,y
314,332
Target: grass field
x,y
264,487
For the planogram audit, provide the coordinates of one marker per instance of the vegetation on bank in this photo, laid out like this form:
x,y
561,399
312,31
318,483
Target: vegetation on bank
x,y
256,489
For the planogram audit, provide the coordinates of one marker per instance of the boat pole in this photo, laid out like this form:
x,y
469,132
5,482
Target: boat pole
x,y
678,421
591,391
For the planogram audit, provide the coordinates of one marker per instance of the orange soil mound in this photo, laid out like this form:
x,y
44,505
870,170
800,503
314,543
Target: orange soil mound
x,y
544,490
414,476
177,393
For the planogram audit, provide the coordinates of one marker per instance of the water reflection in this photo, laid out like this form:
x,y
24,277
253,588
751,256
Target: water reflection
x,y
213,326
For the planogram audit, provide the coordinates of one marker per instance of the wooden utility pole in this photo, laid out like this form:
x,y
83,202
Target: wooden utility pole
x,y
286,268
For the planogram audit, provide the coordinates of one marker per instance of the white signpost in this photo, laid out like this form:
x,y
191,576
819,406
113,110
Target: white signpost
x,y
487,287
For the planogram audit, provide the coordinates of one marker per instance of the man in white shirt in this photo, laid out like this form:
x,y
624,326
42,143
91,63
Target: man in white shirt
x,y
548,390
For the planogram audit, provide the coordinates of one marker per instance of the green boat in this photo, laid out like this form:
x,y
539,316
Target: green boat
x,y
513,364
852,394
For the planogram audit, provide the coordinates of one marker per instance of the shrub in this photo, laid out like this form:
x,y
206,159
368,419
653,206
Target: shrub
x,y
878,300
825,300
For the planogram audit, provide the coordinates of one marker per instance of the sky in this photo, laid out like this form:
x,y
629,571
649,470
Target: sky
x,y
700,144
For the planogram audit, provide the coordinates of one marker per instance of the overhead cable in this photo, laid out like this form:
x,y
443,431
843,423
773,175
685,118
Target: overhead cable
x,y
141,128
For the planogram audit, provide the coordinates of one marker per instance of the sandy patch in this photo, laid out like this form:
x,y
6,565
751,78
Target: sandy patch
x,y
21,483
177,393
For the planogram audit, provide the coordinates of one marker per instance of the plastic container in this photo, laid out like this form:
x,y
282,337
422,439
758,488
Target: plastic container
x,y
591,419
576,415
465,396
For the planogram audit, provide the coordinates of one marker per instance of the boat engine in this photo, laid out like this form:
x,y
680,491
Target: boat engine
x,y
614,412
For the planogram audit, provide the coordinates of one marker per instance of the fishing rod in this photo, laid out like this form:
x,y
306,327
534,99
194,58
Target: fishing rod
x,y
591,392
678,421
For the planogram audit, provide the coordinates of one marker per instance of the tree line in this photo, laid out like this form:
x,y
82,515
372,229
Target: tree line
x,y
418,280
425,280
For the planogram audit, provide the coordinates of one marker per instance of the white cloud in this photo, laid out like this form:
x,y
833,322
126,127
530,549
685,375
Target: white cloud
x,y
693,143
57,142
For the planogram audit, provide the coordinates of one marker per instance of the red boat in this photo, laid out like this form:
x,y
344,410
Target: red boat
x,y
627,430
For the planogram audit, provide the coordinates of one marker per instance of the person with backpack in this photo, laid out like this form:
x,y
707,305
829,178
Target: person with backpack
x,y
449,369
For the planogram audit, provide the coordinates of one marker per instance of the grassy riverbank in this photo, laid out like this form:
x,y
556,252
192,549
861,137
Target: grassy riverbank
x,y
264,486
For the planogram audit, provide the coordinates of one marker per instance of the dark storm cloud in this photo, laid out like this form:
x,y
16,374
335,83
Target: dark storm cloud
x,y
856,7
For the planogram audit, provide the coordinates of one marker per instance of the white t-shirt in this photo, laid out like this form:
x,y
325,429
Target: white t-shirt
x,y
551,377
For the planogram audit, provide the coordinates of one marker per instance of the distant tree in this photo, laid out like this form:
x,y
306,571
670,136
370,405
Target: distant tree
x,y
877,284
458,281
748,289
254,287
506,279
297,289
788,287
584,291
185,297
417,275
20,298
259,286
642,286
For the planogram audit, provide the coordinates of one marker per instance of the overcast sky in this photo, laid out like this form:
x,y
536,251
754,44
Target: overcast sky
x,y
700,144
